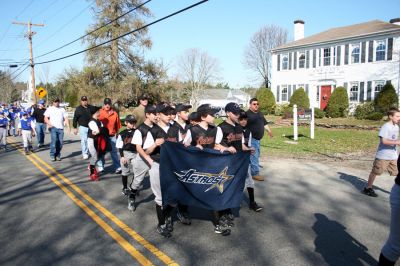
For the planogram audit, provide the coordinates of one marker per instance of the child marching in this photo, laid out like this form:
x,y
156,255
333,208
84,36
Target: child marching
x,y
26,127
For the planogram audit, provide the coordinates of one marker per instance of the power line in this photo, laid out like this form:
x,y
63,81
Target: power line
x,y
23,10
125,34
108,23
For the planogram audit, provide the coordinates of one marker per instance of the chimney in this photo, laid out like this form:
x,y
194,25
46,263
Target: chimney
x,y
298,29
395,21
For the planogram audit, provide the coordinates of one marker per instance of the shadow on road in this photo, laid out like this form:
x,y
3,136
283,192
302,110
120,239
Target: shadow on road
x,y
358,182
338,247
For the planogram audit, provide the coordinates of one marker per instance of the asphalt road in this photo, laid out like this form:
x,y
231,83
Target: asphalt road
x,y
314,214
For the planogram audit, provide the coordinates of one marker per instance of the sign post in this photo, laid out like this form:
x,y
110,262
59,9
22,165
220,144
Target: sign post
x,y
295,131
303,115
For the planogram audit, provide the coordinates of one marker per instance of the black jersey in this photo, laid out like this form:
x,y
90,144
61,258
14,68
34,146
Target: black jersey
x,y
126,136
144,129
205,138
232,135
175,130
157,133
246,135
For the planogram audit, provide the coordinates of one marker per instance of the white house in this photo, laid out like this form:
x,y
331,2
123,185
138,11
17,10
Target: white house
x,y
361,57
221,97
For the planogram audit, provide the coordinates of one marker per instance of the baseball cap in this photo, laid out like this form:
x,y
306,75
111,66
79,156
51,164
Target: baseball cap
x,y
193,117
182,107
164,108
150,109
41,102
107,101
56,100
130,119
233,108
24,113
83,98
206,109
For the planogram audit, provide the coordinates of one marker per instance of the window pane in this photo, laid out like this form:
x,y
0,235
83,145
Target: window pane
x,y
327,56
380,51
302,60
354,93
378,87
285,62
284,94
355,54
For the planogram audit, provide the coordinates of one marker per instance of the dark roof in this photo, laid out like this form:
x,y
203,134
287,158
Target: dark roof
x,y
362,29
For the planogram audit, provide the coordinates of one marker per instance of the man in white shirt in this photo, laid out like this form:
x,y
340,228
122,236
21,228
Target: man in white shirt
x,y
56,118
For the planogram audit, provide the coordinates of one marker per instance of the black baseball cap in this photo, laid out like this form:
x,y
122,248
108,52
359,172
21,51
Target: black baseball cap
x,y
233,108
182,107
130,119
164,108
83,98
206,109
107,101
150,109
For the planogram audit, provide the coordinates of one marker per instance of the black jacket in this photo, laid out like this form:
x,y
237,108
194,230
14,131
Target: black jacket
x,y
82,116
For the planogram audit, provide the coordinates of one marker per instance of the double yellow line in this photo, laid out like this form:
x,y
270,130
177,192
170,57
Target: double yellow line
x,y
67,186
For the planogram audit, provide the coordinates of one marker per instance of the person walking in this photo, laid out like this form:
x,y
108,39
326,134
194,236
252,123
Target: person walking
x,y
3,130
56,119
38,115
82,116
256,123
138,112
26,127
110,119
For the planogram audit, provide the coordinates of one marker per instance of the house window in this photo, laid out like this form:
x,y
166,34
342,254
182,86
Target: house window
x,y
284,93
285,62
327,56
302,59
380,50
355,54
378,87
354,92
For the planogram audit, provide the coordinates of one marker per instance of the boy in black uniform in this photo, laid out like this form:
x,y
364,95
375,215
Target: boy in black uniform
x,y
249,183
177,133
151,153
127,152
203,135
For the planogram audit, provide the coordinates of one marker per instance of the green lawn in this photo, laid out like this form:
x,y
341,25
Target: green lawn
x,y
327,142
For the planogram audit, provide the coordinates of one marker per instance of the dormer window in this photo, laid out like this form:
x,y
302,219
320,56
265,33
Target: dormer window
x,y
285,62
302,59
355,54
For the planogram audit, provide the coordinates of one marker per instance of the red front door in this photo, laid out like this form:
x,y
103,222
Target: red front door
x,y
324,96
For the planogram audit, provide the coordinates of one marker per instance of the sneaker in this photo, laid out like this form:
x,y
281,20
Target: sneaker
x,y
59,158
258,178
85,157
184,217
38,146
52,159
118,171
125,191
369,192
169,224
100,169
225,222
218,229
162,230
131,202
253,206
26,151
94,177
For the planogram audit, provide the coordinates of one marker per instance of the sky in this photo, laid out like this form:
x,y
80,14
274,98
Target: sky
x,y
221,28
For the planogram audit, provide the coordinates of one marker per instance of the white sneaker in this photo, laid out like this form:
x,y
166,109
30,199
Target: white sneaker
x,y
100,169
85,156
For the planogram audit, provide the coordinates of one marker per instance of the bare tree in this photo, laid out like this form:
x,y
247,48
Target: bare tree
x,y
197,69
257,56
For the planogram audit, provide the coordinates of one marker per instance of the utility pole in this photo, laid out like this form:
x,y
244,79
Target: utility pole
x,y
29,35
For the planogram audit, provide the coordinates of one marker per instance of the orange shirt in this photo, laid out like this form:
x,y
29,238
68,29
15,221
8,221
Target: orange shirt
x,y
110,120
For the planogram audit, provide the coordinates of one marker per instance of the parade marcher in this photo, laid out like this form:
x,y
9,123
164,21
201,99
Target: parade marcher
x,y
127,152
203,135
256,124
138,111
82,116
386,155
11,118
56,119
151,153
97,142
249,183
390,252
38,115
3,130
178,132
110,119
141,166
193,119
26,127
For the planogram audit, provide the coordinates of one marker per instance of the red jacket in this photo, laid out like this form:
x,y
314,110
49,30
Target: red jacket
x,y
110,120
